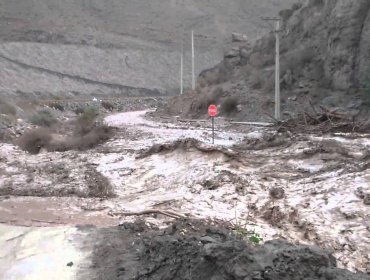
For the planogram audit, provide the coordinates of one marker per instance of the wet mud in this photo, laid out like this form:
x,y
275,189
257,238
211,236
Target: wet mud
x,y
197,250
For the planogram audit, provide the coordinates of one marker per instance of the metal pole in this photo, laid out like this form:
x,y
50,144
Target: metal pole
x,y
213,130
277,66
182,70
192,61
277,74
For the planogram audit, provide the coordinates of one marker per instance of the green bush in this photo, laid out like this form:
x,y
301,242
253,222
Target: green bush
x,y
43,118
86,120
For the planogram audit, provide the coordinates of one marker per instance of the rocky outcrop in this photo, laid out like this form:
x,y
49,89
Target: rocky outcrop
x,y
324,55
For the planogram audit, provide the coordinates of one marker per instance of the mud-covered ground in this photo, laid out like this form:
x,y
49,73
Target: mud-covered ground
x,y
305,189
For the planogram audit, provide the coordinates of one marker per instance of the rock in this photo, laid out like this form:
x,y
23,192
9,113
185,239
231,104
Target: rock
x,y
238,37
367,199
232,53
207,239
277,193
70,264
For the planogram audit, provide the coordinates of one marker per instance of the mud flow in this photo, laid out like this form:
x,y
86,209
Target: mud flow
x,y
259,204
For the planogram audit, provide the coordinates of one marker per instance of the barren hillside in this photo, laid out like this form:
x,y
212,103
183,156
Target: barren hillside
x,y
114,47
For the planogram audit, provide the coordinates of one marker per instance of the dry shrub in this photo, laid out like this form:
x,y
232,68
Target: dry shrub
x,y
43,118
78,110
86,120
32,141
107,105
57,106
7,109
230,105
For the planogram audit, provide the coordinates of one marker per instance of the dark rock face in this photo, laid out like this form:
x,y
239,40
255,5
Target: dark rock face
x,y
324,58
335,34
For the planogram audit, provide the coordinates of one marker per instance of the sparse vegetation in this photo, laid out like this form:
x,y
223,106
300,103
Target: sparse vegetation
x,y
57,106
43,118
32,141
241,231
7,109
86,120
107,105
78,110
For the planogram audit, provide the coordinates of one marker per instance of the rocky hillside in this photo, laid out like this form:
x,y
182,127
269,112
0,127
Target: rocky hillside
x,y
325,60
116,46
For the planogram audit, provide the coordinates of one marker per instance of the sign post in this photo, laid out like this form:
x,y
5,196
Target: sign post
x,y
212,112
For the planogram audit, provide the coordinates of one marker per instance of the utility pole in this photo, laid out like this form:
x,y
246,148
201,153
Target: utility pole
x,y
182,69
192,61
277,66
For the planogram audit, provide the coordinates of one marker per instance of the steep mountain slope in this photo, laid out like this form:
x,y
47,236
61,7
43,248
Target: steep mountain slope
x,y
89,46
325,59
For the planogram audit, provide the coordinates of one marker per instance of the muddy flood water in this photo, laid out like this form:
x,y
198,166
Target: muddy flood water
x,y
159,201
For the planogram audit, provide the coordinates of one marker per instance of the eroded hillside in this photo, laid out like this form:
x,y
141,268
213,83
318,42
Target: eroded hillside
x,y
82,47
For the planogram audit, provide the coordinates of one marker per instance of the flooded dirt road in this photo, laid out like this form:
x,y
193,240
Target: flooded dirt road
x,y
306,189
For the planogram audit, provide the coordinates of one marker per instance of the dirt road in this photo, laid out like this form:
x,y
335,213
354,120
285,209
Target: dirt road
x,y
307,189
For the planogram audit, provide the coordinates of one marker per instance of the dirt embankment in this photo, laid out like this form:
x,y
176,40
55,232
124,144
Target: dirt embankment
x,y
198,250
324,61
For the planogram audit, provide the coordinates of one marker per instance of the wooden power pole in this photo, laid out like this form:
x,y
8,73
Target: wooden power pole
x,y
277,66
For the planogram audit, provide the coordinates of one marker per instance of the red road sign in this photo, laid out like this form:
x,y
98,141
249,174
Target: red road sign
x,y
212,110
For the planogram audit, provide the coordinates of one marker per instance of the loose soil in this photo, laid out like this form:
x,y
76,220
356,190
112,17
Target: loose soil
x,y
199,250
